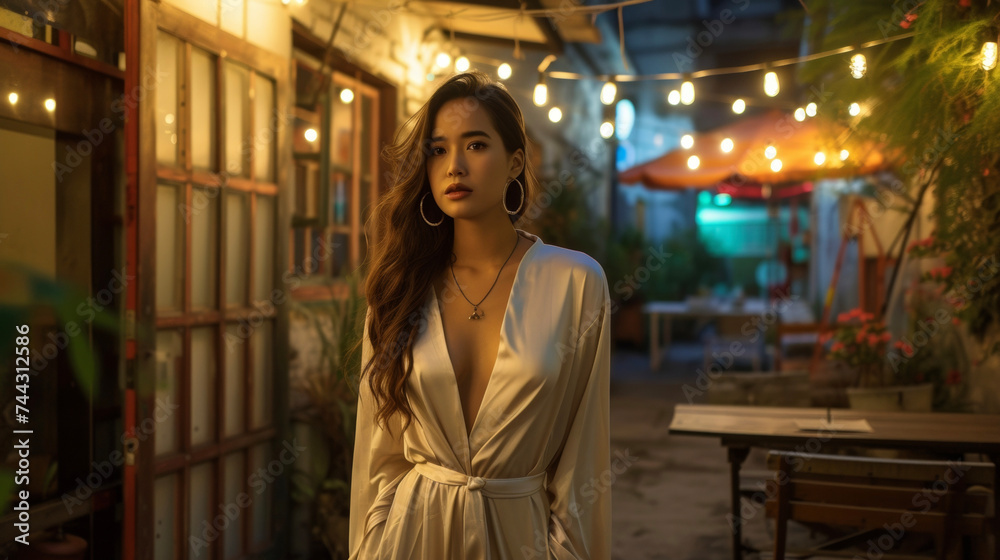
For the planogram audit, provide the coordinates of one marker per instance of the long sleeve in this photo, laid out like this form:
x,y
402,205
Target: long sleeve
x,y
580,517
378,467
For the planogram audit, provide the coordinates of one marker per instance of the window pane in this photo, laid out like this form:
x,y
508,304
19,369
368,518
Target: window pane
x,y
167,67
237,80
262,368
234,389
341,130
169,353
260,456
164,505
305,137
169,247
340,204
265,129
237,250
233,478
204,217
203,368
203,140
201,529
263,248
341,250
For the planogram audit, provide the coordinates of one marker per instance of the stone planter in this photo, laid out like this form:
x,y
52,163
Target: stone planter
x,y
909,398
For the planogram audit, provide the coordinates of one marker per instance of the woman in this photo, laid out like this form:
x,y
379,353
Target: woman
x,y
483,425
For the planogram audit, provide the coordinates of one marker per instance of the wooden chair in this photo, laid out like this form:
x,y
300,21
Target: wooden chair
x,y
893,497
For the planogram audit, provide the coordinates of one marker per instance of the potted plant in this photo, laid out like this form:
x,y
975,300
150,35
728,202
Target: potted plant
x,y
860,342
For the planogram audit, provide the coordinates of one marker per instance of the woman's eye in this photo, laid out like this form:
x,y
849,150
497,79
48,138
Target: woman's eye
x,y
436,151
477,145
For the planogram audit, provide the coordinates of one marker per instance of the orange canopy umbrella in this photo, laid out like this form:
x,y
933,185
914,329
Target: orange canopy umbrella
x,y
796,145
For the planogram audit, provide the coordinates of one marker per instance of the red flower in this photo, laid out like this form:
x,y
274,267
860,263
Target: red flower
x,y
843,318
885,337
956,321
954,377
859,337
837,347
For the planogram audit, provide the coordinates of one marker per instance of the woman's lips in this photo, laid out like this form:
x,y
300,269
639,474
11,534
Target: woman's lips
x,y
458,195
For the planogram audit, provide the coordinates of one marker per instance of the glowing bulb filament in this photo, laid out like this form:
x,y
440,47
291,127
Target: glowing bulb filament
x,y
988,56
541,95
771,85
687,93
858,66
608,93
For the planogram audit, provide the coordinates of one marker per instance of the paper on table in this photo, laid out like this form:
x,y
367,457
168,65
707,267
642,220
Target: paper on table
x,y
820,424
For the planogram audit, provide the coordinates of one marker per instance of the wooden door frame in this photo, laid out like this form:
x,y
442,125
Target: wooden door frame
x,y
144,19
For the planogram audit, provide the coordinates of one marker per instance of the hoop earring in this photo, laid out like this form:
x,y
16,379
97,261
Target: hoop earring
x,y
424,216
519,204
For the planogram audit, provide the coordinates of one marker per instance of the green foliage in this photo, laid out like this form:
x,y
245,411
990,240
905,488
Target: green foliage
x,y
930,101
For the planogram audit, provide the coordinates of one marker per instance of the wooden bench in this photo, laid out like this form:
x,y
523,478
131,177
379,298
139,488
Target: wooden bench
x,y
948,500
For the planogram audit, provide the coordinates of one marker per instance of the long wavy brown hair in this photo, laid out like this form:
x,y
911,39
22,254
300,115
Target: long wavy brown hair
x,y
408,253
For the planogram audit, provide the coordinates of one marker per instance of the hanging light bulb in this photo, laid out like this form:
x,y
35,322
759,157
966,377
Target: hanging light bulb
x,y
770,151
608,92
800,114
674,97
443,60
346,95
854,109
12,98
988,56
311,135
607,129
555,114
687,93
771,85
687,141
462,63
811,109
541,94
844,154
50,105
504,71
727,145
776,165
819,158
693,162
739,106
859,65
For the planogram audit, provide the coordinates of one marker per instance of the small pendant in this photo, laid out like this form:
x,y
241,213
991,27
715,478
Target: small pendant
x,y
476,314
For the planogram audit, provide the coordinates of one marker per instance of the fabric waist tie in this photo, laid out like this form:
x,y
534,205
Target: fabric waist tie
x,y
477,545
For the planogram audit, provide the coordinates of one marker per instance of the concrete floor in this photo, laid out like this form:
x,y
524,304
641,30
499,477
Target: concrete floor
x,y
672,501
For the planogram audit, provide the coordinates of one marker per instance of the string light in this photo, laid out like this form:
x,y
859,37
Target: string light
x,y
859,65
607,129
693,162
988,56
674,97
462,63
541,93
819,158
854,109
443,60
555,114
687,92
844,154
12,98
800,114
739,106
811,109
346,95
50,104
687,141
311,135
504,71
608,92
727,145
771,85
776,165
770,151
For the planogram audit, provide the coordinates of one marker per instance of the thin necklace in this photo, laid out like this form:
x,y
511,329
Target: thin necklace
x,y
476,313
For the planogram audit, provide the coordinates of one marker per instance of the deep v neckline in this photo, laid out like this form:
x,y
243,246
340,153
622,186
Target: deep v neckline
x,y
466,431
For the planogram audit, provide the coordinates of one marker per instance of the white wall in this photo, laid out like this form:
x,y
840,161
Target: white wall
x,y
27,197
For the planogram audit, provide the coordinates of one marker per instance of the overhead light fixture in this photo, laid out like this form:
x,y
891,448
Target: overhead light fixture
x,y
811,109
687,92
727,145
988,56
12,98
800,114
776,165
555,114
770,151
311,134
739,106
443,60
819,158
607,129
674,97
541,93
771,85
50,104
608,92
687,141
854,109
504,71
462,63
346,95
859,65
844,154
693,162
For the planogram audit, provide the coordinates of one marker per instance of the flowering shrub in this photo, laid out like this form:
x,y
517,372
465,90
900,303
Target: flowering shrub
x,y
860,342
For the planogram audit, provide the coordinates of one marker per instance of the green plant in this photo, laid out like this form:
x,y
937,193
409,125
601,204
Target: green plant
x,y
329,412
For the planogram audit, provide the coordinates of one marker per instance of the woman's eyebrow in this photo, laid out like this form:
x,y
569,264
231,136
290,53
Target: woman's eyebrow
x,y
466,134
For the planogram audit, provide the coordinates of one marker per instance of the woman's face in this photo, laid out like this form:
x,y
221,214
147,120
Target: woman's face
x,y
467,164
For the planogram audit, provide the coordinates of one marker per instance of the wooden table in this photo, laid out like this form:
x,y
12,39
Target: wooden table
x,y
743,427
658,310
